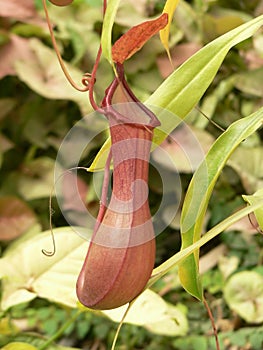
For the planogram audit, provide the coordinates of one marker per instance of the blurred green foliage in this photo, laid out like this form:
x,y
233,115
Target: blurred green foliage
x,y
38,108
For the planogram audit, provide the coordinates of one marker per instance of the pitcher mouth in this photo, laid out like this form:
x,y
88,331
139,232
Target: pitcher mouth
x,y
119,94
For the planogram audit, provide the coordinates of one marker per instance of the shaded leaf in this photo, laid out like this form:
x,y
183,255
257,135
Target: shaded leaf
x,y
6,106
37,178
18,9
250,82
15,218
16,49
131,42
244,294
184,148
244,225
179,54
43,74
136,11
228,265
217,25
147,54
5,145
248,163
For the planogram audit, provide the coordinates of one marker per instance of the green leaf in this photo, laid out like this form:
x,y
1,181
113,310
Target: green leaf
x,y
108,21
182,90
244,294
179,257
199,192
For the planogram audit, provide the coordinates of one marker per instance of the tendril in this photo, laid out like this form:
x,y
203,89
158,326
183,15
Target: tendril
x,y
86,80
62,64
257,228
210,120
51,253
51,213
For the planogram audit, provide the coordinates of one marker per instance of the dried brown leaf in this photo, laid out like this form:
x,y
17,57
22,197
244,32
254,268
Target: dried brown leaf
x,y
133,40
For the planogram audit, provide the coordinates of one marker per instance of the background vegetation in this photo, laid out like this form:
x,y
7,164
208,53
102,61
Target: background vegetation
x,y
38,108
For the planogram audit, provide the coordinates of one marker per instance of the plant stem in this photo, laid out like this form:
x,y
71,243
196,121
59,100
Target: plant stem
x,y
210,315
121,324
60,331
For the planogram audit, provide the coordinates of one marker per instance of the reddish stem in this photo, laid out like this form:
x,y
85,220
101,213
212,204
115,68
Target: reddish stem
x,y
212,322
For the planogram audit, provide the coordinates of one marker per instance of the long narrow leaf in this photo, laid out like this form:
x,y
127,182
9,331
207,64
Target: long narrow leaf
x,y
179,257
199,192
108,21
169,8
182,90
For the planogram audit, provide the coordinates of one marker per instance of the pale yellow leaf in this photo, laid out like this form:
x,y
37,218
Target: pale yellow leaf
x,y
152,312
169,8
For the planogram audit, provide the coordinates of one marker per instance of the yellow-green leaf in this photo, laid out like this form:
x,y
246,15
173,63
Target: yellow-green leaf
x,y
108,21
200,190
18,346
